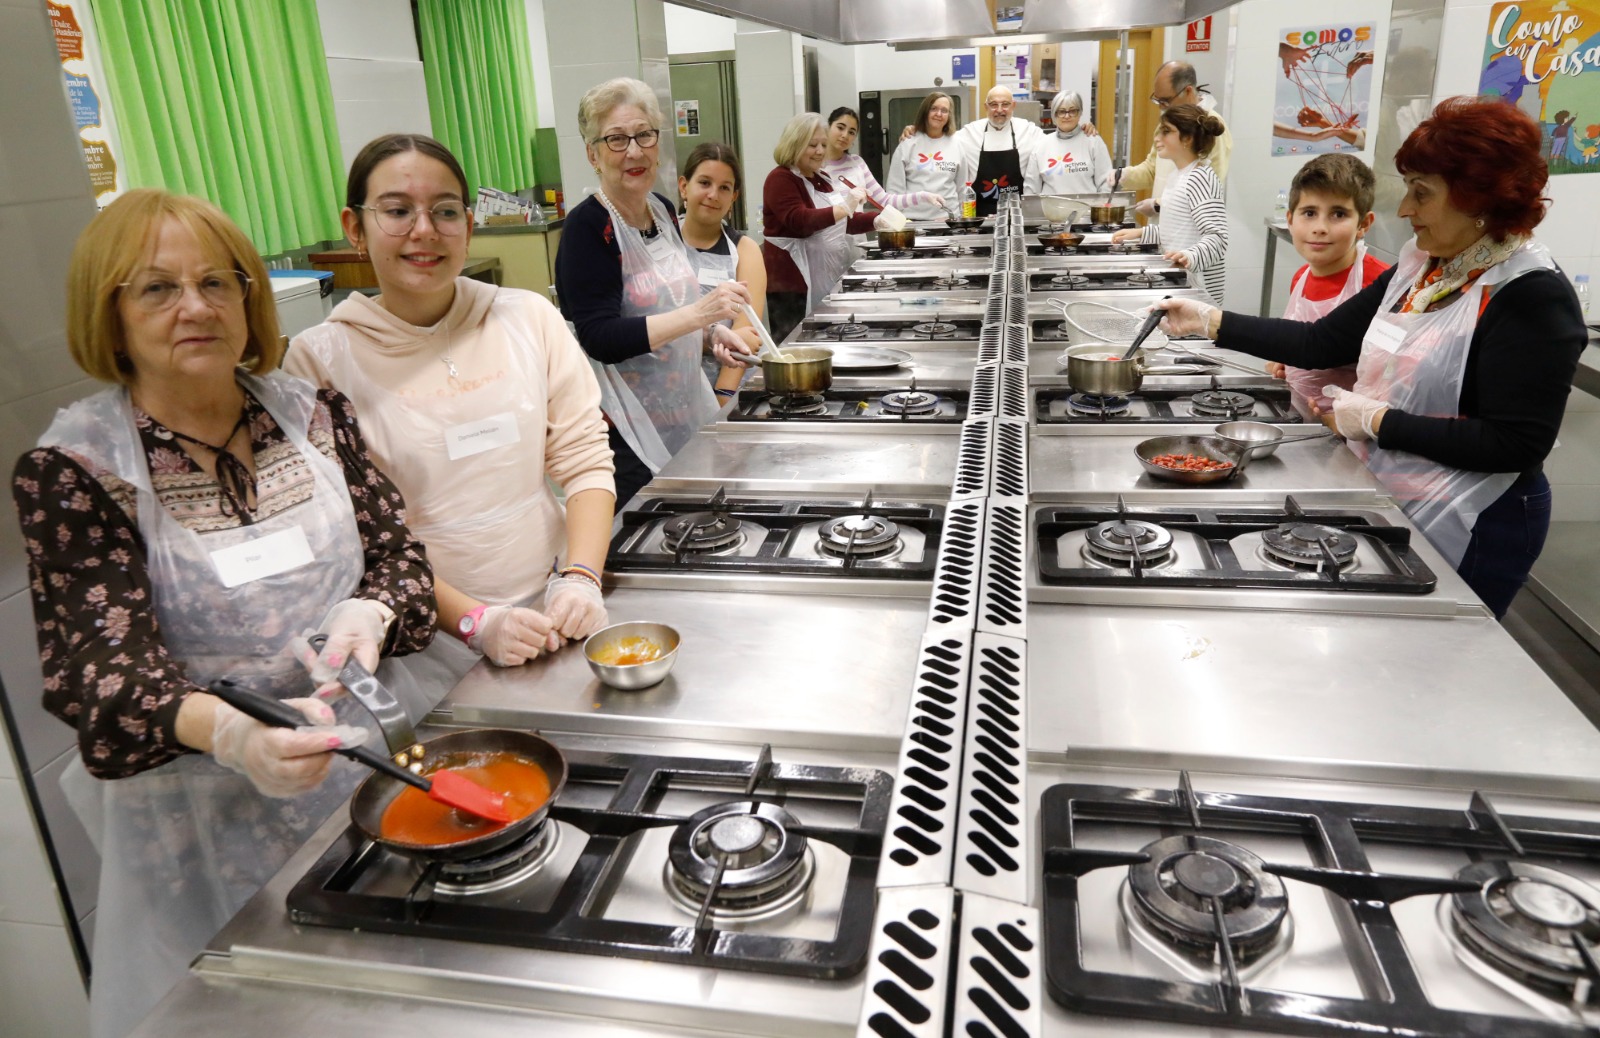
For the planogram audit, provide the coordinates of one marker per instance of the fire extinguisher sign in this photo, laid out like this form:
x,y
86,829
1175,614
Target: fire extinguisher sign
x,y
1199,36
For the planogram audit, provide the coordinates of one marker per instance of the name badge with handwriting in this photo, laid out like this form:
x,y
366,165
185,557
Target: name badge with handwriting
x,y
710,278
262,557
1385,336
469,438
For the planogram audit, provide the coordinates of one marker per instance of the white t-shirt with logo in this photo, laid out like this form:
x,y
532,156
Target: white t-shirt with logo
x,y
1072,165
923,163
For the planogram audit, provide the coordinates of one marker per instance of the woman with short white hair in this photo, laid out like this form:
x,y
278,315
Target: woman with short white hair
x,y
628,284
1070,161
806,221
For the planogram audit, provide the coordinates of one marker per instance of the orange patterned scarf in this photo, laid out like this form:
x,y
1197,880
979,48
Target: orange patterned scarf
x,y
1439,280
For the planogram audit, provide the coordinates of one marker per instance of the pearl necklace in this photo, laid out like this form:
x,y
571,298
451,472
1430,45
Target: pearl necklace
x,y
679,298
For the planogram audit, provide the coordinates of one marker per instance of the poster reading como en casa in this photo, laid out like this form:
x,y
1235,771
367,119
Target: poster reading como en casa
x,y
1324,89
1544,57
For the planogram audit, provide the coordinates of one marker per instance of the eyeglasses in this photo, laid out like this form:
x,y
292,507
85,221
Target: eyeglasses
x,y
1069,111
646,139
153,292
999,106
1162,102
447,217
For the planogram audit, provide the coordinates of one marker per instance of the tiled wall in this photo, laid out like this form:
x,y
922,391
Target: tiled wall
x,y
44,203
374,69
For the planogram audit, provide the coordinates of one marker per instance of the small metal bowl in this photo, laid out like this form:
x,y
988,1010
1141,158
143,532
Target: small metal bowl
x,y
632,677
1214,447
1260,437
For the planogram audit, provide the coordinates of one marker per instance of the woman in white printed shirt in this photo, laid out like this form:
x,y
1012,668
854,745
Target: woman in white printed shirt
x,y
1193,227
927,162
842,167
1070,161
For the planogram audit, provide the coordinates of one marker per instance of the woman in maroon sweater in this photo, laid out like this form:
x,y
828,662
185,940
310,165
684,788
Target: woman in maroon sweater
x,y
806,222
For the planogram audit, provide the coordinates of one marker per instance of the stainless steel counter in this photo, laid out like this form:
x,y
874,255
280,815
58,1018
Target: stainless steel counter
x,y
1099,462
889,457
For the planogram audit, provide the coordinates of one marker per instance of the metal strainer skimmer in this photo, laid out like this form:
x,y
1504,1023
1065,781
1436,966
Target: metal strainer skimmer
x,y
1101,322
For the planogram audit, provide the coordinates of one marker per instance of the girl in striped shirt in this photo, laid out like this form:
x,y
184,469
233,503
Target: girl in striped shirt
x,y
1193,223
843,167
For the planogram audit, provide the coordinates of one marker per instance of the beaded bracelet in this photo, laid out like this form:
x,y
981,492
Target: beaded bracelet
x,y
582,572
724,393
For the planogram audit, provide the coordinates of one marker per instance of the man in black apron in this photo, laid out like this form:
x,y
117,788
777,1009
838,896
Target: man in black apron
x,y
999,172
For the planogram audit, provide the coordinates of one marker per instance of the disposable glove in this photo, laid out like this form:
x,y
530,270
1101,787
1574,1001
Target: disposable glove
x,y
355,627
1355,416
1145,207
1185,316
575,606
891,219
281,762
938,200
729,347
511,635
1179,258
1109,177
855,200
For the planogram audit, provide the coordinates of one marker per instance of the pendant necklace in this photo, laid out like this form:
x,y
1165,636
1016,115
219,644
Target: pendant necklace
x,y
678,297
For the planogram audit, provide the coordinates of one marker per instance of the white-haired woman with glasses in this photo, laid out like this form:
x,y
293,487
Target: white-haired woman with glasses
x,y
181,528
1070,161
475,399
630,286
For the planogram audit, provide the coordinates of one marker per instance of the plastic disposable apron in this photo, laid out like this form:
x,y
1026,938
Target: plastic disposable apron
x,y
491,524
659,400
713,269
824,256
1417,362
1305,386
183,846
999,173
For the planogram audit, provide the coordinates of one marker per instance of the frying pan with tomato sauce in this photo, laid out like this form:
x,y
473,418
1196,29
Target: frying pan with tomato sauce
x,y
450,836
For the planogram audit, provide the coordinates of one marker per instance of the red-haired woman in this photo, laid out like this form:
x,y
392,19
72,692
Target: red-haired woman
x,y
1465,349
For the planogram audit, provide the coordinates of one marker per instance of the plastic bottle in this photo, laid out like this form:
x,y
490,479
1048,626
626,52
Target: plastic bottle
x,y
969,202
1581,285
1283,202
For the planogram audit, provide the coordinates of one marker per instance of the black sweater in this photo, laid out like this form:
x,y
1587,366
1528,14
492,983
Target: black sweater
x,y
589,285
1520,364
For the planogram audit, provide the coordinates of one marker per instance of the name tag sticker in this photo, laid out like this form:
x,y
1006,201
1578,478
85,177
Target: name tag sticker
x,y
1385,336
262,557
469,438
711,278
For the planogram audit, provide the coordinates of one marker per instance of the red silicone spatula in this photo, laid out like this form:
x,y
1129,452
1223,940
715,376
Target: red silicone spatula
x,y
446,787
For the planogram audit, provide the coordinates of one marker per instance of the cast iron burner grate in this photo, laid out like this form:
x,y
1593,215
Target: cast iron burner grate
x,y
910,401
860,536
934,330
713,532
799,404
846,406
1337,835
1124,542
1147,277
952,282
851,329
1098,404
1222,403
1150,406
612,799
876,284
1308,544
1531,923
1069,280
1402,570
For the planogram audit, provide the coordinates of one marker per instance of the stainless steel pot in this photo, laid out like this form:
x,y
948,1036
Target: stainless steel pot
x,y
1107,213
902,239
1099,369
801,370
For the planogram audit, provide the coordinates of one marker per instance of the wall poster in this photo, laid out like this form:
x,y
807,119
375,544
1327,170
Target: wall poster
x,y
1544,57
1323,97
686,116
90,112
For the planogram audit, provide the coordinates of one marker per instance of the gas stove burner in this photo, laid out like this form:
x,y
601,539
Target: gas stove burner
x,y
1145,277
876,284
1120,541
791,406
896,253
1173,892
504,868
934,330
859,537
1096,404
1122,248
1299,544
1069,280
1522,921
1104,228
766,865
952,282
958,250
1060,250
910,401
846,330
703,533
1222,403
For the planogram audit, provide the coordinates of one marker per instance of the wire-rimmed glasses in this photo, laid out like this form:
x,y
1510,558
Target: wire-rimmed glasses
x,y
153,291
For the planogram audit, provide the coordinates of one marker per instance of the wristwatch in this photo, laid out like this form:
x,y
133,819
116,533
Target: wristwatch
x,y
469,624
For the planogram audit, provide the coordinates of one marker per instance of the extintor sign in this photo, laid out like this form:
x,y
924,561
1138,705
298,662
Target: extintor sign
x,y
1199,35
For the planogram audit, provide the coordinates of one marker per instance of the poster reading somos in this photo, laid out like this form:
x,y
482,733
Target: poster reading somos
x,y
1544,57
1324,93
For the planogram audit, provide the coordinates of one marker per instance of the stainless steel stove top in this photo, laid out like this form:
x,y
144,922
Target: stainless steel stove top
x,y
1260,402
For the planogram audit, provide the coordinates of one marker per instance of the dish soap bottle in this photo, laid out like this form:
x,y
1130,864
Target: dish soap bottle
x,y
1580,284
969,202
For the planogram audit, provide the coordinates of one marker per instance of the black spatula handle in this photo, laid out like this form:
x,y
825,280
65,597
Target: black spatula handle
x,y
279,714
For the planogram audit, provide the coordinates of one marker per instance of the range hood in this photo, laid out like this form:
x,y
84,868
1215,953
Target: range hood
x,y
958,24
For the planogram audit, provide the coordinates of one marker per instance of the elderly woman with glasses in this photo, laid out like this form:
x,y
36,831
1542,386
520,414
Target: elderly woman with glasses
x,y
182,527
629,285
476,399
1070,161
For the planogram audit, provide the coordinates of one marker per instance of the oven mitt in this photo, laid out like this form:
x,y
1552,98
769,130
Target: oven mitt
x,y
891,219
281,762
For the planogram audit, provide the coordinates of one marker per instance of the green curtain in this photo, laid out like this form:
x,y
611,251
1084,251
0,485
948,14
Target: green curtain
x,y
230,100
475,57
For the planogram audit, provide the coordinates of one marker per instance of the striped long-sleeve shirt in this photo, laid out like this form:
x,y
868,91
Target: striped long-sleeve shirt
x,y
1194,221
854,169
